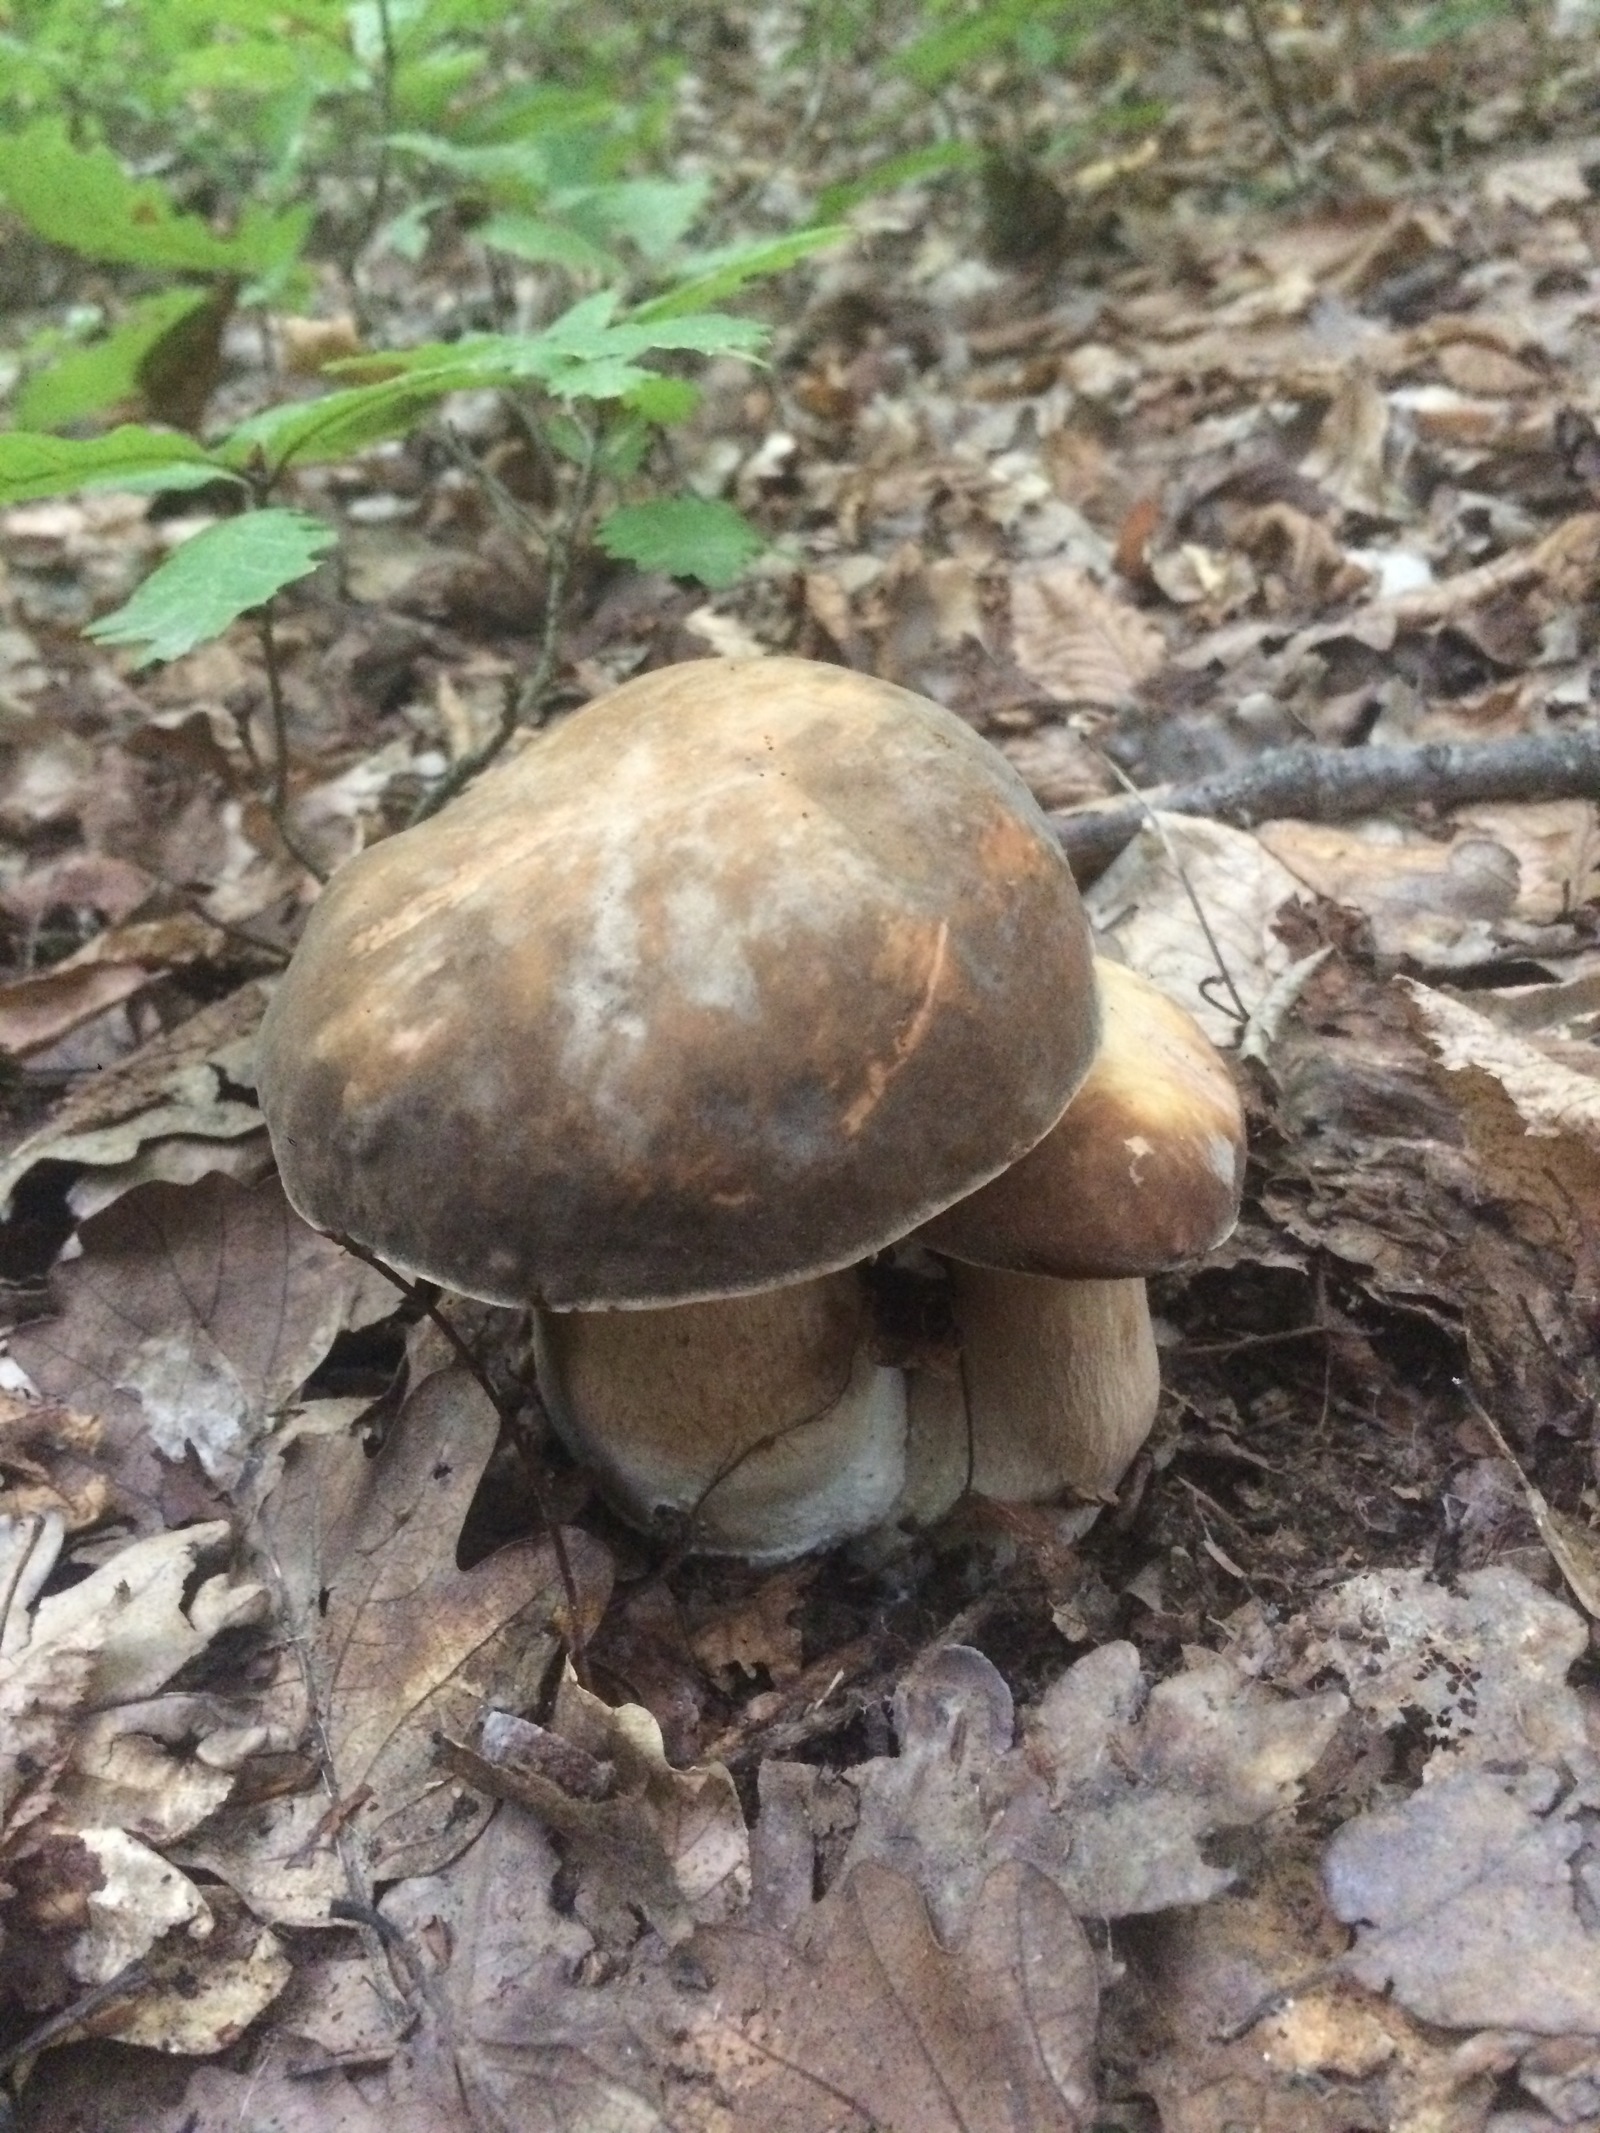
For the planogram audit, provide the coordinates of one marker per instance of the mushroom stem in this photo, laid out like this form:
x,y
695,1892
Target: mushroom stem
x,y
760,1422
1058,1389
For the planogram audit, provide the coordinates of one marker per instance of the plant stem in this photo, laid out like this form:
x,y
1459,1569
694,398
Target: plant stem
x,y
277,792
524,704
388,67
425,1299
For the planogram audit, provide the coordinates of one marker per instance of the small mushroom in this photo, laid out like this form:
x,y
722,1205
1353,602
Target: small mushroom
x,y
1059,1376
709,994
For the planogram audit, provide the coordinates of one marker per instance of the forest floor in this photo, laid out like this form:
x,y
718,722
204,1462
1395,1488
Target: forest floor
x,y
1271,1801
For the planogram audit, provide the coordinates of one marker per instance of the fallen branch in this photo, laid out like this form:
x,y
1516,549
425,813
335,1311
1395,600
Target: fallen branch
x,y
1340,784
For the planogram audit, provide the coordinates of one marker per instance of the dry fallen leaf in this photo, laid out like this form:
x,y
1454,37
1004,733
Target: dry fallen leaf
x,y
1435,904
194,1313
1110,1793
78,1670
397,1645
1145,904
192,1081
1078,642
643,1838
1471,1901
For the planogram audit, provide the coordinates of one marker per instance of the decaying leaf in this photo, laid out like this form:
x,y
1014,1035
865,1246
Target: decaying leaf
x,y
1471,1902
398,1646
194,1313
644,1838
867,2018
1147,908
1077,641
190,1081
1436,904
1110,1793
50,1464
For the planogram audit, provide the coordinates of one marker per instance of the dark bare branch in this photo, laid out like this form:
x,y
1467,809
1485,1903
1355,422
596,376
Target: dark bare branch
x,y
1341,784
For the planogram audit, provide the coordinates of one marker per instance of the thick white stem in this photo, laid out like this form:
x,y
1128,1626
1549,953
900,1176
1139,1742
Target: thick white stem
x,y
761,1422
1058,1389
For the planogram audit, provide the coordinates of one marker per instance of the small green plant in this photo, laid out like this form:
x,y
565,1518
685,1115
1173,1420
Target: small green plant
x,y
542,172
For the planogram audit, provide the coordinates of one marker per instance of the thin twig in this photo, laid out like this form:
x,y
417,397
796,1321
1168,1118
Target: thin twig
x,y
525,705
1239,1011
1341,784
388,67
128,1980
277,793
418,1294
1280,105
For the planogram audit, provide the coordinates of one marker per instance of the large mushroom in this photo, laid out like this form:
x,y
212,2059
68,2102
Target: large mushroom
x,y
1059,1379
722,986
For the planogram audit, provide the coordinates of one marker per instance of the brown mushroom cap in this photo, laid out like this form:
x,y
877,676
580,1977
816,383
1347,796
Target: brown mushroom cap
x,y
731,979
1143,1171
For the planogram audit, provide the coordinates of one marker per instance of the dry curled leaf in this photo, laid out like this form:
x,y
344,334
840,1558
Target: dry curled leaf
x,y
398,1646
192,1080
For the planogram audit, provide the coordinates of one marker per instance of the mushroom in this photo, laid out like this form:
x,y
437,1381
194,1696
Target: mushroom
x,y
707,995
1059,1376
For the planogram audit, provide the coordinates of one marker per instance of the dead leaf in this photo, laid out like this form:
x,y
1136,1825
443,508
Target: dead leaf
x,y
758,1632
398,1645
1077,641
1110,1793
670,1844
1482,1670
194,1313
1059,768
1355,458
190,1081
50,1464
1538,183
1436,904
867,2013
1471,1902
1142,904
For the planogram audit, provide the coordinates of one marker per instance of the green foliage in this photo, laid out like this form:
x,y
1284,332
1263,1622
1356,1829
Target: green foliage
x,y
82,198
213,579
973,34
713,276
88,380
684,536
930,162
1443,22
32,466
536,122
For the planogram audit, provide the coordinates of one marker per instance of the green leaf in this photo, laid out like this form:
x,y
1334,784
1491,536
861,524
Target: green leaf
x,y
86,381
932,59
684,536
32,466
883,177
312,432
650,213
718,274
213,579
85,200
664,401
544,243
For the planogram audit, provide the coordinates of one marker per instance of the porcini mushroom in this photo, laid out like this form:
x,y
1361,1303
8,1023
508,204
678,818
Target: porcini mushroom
x,y
1059,1378
711,992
